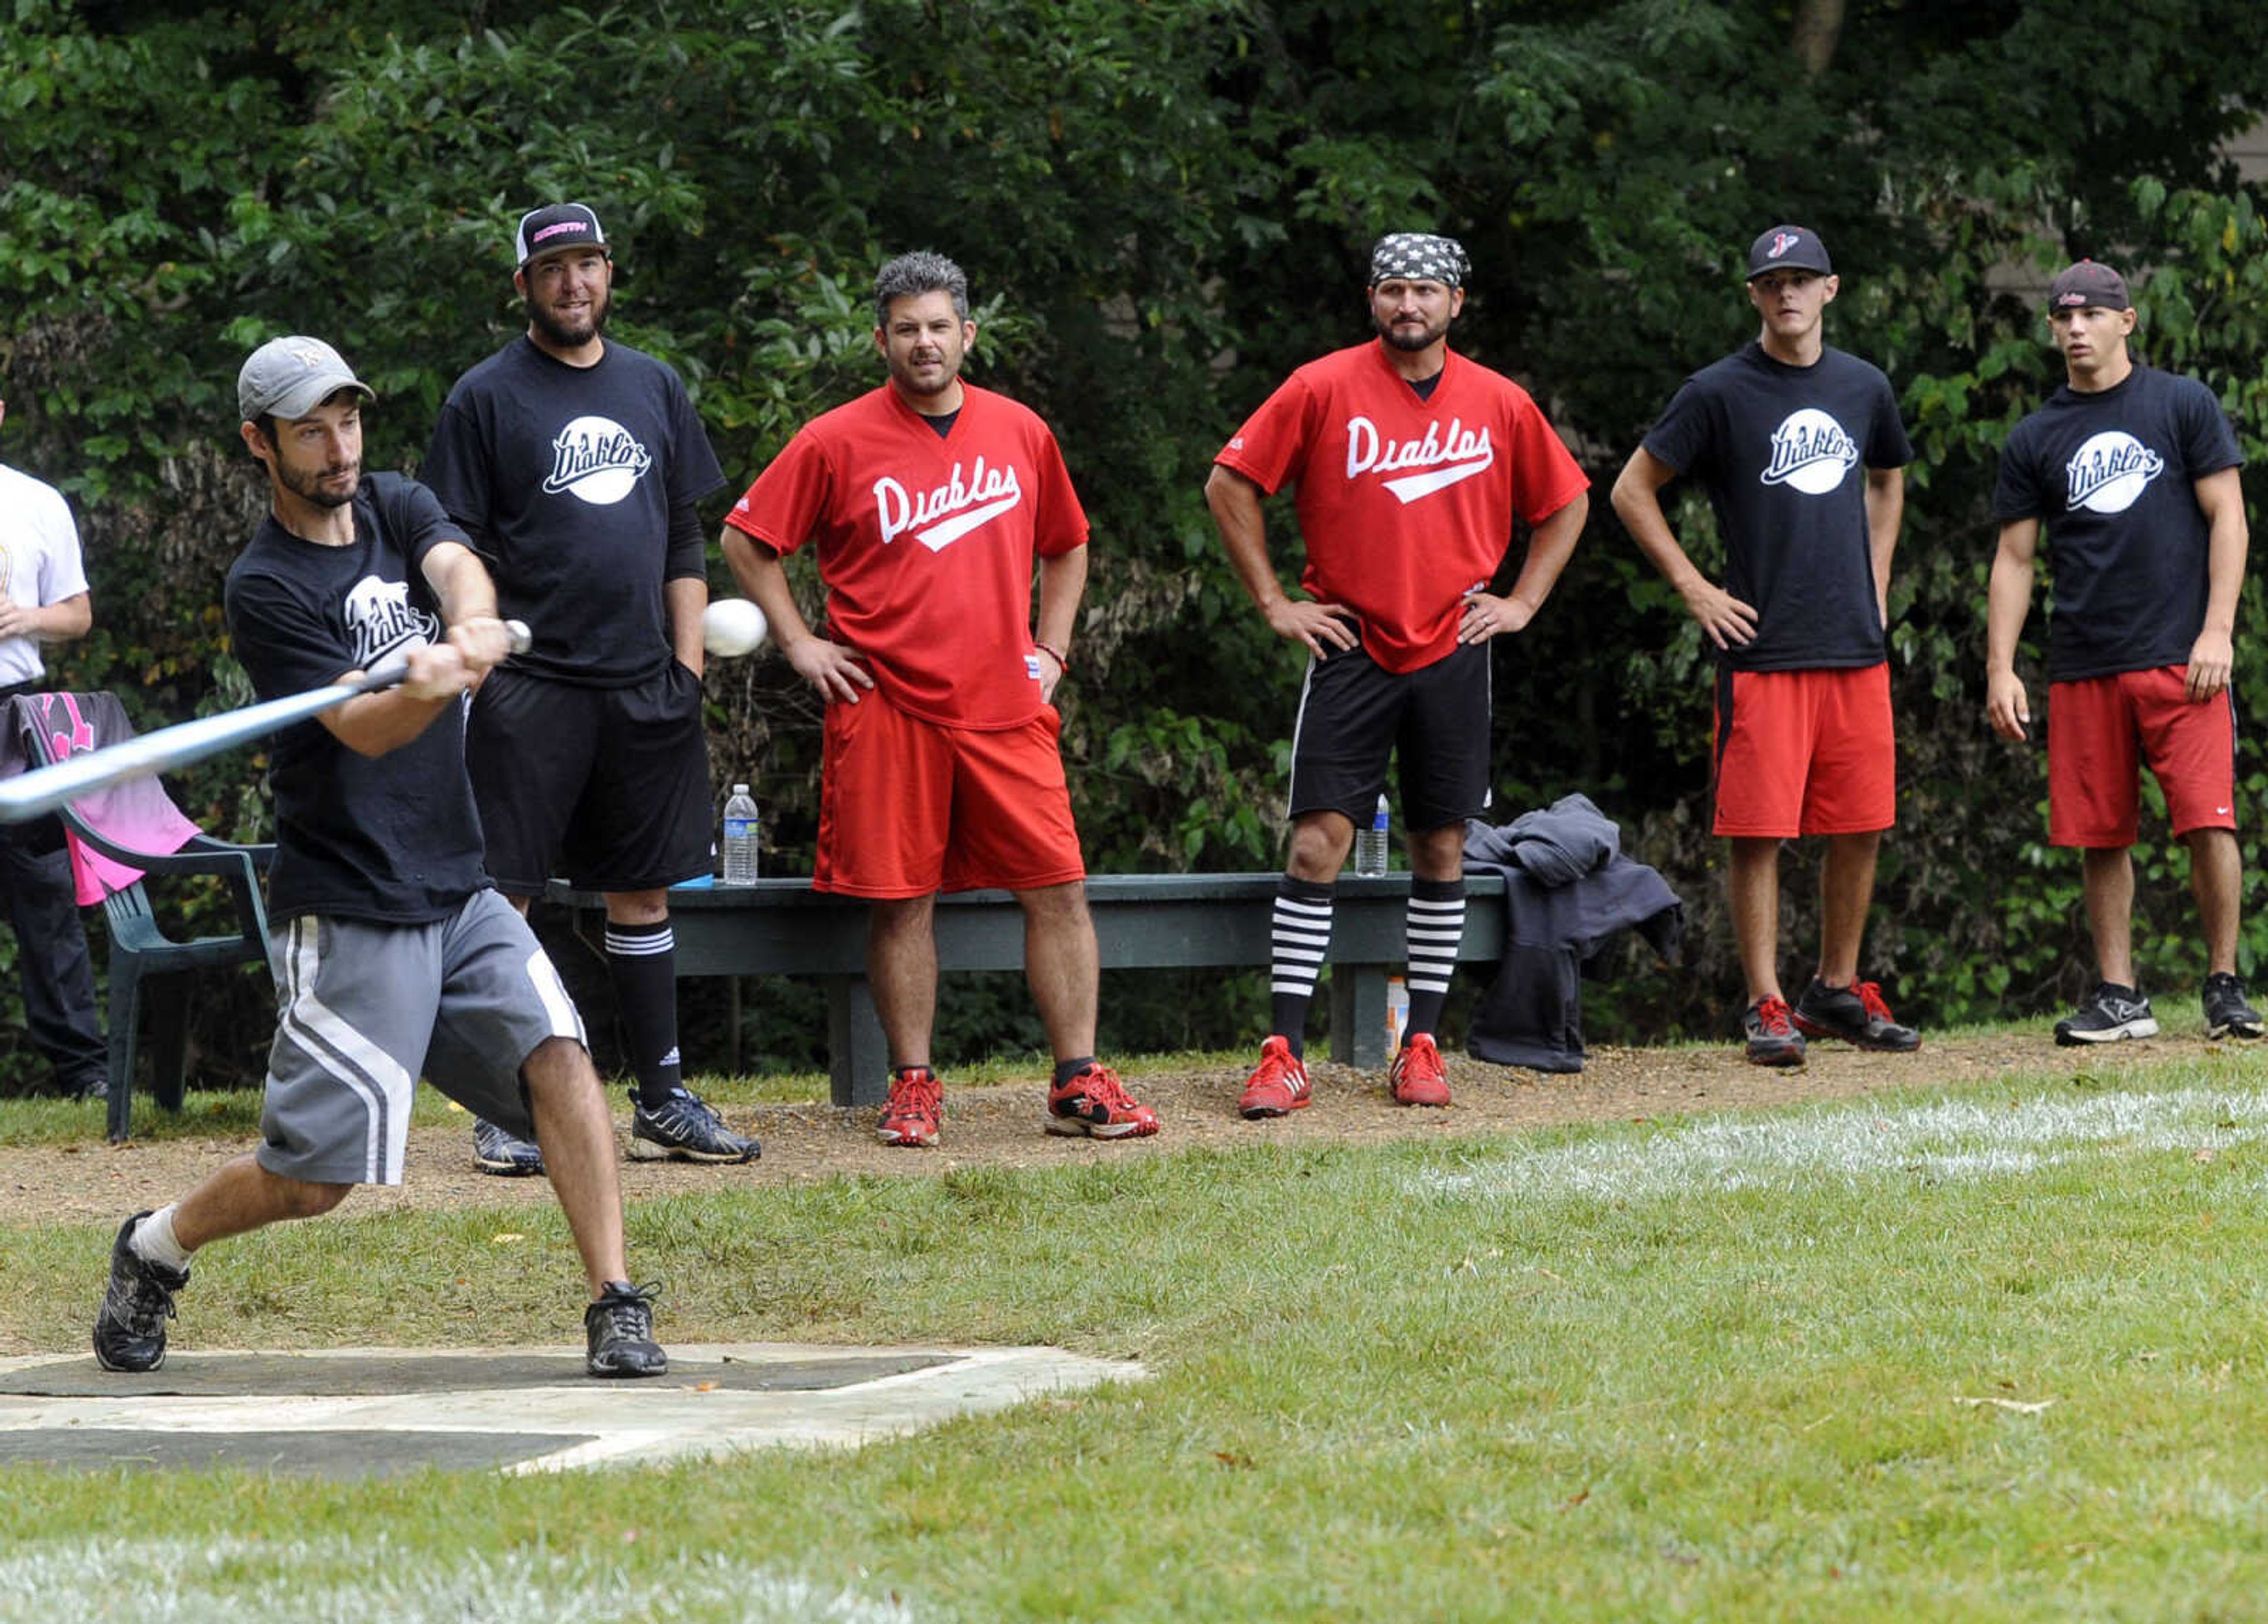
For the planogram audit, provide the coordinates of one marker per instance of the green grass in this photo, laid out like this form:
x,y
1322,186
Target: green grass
x,y
1708,1369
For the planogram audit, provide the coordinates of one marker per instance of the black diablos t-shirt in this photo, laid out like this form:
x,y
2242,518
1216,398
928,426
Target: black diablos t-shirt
x,y
1783,453
565,477
391,838
2113,477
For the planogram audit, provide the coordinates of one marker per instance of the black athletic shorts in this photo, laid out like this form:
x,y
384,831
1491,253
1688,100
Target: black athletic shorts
x,y
607,786
1354,715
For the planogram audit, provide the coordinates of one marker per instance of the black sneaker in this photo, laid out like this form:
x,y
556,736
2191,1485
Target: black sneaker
x,y
505,1154
618,1331
2227,1013
686,1127
2106,1015
1856,1014
1773,1039
130,1331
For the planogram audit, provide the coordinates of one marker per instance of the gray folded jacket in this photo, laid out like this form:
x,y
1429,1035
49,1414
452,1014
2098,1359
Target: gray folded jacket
x,y
1558,845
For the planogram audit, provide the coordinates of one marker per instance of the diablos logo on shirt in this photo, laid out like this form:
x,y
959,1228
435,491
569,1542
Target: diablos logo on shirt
x,y
2108,473
380,620
1446,457
1811,451
596,460
943,514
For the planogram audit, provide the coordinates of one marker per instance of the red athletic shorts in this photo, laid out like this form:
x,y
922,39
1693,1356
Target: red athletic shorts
x,y
1805,753
2102,728
906,807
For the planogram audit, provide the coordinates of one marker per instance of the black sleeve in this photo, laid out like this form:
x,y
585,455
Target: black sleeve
x,y
2208,444
1681,437
1887,446
694,470
2017,492
414,517
689,546
456,471
286,643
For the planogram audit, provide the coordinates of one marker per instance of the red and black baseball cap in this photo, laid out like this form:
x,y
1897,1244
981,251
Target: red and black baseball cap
x,y
1788,248
556,225
2085,283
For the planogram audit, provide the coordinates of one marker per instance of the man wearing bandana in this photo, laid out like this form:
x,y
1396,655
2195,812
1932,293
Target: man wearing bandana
x,y
1411,464
1801,450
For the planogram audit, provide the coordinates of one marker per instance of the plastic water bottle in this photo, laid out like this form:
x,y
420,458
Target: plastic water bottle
x,y
739,841
1370,844
1398,1012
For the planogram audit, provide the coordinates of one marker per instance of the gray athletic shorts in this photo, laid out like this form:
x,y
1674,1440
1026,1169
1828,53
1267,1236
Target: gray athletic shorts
x,y
362,1009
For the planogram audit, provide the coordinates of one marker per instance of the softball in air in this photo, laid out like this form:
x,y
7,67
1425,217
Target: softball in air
x,y
731,627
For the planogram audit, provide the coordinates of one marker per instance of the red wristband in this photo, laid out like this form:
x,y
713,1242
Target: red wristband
x,y
1061,658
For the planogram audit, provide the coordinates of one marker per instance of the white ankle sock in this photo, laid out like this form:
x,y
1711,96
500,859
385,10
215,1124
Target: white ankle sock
x,y
153,1241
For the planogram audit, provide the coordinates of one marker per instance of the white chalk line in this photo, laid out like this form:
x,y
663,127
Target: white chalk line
x,y
234,1581
1952,1140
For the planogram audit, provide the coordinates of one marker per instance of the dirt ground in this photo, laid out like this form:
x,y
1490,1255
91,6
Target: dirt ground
x,y
999,1125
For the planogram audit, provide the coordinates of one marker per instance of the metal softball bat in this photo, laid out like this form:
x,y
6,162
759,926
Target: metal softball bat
x,y
45,788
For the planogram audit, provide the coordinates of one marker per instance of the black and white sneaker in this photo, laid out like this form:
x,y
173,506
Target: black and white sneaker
x,y
130,1330
2106,1015
2227,1012
507,1156
687,1127
618,1333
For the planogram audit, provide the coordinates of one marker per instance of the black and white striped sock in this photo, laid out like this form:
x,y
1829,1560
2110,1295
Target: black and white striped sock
x,y
1434,927
1302,935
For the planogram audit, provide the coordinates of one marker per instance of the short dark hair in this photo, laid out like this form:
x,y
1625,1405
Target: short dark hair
x,y
917,272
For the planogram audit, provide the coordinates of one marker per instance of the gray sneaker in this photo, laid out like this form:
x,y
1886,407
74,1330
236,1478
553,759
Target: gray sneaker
x,y
2106,1015
618,1333
130,1329
686,1127
504,1155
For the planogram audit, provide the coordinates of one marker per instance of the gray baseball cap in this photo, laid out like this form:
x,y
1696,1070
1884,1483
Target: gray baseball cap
x,y
292,377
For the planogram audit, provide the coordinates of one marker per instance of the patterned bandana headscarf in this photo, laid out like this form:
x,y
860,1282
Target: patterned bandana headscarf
x,y
1417,256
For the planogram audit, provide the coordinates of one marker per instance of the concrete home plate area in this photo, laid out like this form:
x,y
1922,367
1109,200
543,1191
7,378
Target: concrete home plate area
x,y
377,1412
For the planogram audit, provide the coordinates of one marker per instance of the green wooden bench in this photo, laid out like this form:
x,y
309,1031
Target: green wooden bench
x,y
1142,922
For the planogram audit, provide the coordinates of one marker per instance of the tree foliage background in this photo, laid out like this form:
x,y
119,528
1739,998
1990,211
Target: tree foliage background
x,y
1165,205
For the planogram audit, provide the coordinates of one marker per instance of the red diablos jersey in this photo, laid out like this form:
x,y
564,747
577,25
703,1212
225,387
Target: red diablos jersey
x,y
926,544
1405,505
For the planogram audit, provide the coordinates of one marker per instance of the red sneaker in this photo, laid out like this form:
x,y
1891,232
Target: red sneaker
x,y
1094,1102
1416,1078
910,1114
1277,1085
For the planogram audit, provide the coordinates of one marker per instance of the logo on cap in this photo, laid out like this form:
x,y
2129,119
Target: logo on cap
x,y
1782,241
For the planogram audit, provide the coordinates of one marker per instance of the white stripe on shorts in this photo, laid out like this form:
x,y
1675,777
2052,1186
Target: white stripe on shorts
x,y
566,1019
373,1075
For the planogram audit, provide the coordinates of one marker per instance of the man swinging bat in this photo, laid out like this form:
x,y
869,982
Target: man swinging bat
x,y
397,954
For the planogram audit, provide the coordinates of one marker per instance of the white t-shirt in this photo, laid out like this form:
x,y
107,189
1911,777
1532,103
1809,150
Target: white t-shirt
x,y
39,562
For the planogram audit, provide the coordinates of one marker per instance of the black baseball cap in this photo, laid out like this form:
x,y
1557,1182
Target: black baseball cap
x,y
1788,248
2077,286
556,225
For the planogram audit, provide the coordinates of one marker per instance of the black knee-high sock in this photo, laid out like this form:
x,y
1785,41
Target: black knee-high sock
x,y
1302,933
1434,927
642,964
